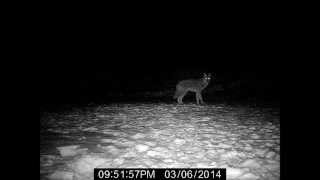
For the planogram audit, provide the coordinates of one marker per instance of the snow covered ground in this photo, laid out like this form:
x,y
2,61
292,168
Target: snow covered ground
x,y
243,139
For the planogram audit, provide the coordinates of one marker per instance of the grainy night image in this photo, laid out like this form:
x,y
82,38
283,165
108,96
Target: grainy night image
x,y
173,117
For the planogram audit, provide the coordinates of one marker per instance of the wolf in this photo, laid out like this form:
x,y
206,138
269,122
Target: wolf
x,y
193,85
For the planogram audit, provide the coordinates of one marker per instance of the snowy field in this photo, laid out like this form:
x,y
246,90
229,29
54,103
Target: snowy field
x,y
243,139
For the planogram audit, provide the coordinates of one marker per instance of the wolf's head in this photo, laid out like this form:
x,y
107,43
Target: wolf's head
x,y
206,77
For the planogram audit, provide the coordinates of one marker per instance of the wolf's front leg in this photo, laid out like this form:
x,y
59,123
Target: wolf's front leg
x,y
200,97
197,97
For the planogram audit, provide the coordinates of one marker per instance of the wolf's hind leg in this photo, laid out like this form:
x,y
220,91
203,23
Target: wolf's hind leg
x,y
181,97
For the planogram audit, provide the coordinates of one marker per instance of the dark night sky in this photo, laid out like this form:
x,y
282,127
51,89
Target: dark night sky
x,y
98,59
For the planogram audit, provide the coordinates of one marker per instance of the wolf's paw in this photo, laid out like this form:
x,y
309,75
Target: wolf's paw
x,y
203,103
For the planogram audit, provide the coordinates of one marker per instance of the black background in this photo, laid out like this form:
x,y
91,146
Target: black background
x,y
80,59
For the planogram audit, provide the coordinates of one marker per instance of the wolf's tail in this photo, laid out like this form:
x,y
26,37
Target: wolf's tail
x,y
177,94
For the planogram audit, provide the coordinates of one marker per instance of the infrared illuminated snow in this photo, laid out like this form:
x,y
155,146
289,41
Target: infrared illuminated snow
x,y
243,139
